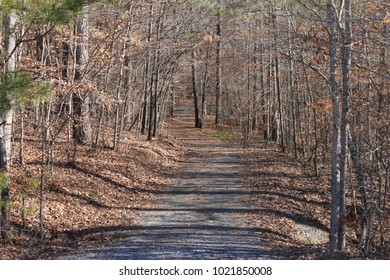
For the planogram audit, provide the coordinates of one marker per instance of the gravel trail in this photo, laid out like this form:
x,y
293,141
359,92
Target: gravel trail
x,y
201,217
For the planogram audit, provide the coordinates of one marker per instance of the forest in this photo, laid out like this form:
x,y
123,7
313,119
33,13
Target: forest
x,y
88,79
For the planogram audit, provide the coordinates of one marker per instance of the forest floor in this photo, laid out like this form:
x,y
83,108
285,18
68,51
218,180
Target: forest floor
x,y
86,202
195,195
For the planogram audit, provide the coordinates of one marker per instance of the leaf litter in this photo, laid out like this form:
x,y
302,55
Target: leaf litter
x,y
92,202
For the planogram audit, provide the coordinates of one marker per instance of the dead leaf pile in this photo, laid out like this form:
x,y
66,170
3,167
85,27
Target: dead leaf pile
x,y
295,207
100,192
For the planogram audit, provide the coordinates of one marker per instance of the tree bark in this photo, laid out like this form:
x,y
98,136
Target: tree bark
x,y
346,65
82,131
361,186
335,169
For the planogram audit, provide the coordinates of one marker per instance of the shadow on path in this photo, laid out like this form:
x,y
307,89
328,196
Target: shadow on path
x,y
201,217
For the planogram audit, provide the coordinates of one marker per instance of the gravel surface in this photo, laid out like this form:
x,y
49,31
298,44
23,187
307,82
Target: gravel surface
x,y
201,217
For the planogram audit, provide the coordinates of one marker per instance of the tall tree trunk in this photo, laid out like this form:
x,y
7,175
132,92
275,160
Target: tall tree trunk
x,y
119,109
249,83
278,86
198,121
218,72
82,131
204,85
293,85
361,186
335,169
6,122
157,80
144,104
156,99
346,65
263,83
154,80
147,115
151,102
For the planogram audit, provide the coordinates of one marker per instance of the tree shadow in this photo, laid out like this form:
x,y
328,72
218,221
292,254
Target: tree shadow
x,y
86,199
177,242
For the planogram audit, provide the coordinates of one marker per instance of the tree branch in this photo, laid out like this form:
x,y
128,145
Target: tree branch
x,y
318,71
370,70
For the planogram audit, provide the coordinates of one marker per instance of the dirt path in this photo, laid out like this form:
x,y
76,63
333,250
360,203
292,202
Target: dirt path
x,y
202,216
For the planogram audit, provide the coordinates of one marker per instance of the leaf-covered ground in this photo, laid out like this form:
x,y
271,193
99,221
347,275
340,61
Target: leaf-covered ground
x,y
85,203
294,206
